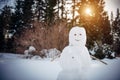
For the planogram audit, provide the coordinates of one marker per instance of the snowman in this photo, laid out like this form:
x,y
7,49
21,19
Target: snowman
x,y
75,56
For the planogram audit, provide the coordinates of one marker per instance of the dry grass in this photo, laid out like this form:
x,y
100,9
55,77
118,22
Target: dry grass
x,y
43,36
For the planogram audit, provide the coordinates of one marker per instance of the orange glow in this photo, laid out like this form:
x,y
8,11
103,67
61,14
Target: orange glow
x,y
88,11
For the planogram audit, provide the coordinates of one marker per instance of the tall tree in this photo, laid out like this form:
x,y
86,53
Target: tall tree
x,y
58,8
49,11
1,34
45,10
73,12
62,8
27,11
18,17
95,20
38,9
116,33
6,23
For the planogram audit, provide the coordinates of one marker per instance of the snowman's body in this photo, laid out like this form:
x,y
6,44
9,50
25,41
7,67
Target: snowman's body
x,y
75,56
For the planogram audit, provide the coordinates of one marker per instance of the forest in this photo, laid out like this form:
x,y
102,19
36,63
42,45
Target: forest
x,y
45,24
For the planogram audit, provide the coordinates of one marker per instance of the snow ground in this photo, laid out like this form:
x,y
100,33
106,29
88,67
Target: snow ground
x,y
16,67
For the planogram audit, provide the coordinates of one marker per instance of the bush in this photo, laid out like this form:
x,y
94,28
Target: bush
x,y
43,36
99,54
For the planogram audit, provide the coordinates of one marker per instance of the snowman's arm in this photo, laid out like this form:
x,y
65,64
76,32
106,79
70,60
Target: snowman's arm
x,y
93,57
98,59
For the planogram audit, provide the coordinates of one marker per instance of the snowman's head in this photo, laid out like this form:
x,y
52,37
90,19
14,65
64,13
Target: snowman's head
x,y
77,36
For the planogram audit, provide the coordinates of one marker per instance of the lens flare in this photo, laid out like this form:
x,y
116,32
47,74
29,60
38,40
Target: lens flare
x,y
88,11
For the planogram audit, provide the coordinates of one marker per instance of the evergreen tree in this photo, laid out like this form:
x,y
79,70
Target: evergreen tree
x,y
23,15
6,18
18,17
107,37
38,10
6,23
62,8
1,34
58,9
116,33
49,10
27,12
95,20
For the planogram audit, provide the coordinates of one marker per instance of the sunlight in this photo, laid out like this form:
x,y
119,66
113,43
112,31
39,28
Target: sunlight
x,y
88,11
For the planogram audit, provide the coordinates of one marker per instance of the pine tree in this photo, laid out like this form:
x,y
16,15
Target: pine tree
x,y
73,12
38,10
18,17
27,12
58,13
49,11
6,23
1,34
96,23
58,9
116,33
62,8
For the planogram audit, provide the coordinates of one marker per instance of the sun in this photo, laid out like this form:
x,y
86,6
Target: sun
x,y
88,11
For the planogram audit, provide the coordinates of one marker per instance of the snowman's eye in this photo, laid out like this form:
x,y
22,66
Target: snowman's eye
x,y
72,57
75,34
80,34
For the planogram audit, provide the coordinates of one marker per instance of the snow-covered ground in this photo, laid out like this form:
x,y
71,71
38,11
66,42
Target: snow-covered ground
x,y
16,67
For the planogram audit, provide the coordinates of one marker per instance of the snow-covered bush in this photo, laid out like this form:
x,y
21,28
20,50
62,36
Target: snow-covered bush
x,y
31,49
97,50
104,51
26,52
99,54
107,50
94,49
29,52
43,52
50,53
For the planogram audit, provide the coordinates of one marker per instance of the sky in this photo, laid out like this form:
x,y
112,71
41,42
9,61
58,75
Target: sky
x,y
112,5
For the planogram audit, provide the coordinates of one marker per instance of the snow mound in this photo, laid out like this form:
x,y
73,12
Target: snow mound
x,y
36,57
28,53
31,49
50,53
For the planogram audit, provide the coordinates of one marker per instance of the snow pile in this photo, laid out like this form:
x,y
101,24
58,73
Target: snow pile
x,y
28,53
31,49
36,57
50,53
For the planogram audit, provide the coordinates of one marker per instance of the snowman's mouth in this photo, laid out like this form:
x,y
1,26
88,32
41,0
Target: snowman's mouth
x,y
77,40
